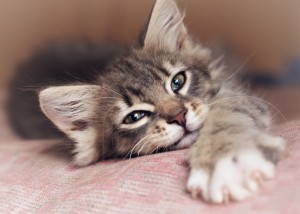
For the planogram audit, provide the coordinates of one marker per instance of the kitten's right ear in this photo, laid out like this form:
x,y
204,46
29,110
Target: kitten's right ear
x,y
165,30
72,109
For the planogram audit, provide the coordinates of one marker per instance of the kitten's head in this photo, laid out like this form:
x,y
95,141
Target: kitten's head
x,y
154,98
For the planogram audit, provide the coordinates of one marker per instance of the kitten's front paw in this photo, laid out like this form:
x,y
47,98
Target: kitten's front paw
x,y
234,177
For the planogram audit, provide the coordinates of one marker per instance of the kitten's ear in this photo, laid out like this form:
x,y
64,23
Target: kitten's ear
x,y
166,30
72,110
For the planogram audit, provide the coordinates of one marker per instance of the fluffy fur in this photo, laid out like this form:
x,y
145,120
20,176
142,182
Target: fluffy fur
x,y
232,149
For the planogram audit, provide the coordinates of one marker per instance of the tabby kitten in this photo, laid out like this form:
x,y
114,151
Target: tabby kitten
x,y
170,93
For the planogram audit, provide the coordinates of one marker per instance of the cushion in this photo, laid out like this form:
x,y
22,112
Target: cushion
x,y
37,177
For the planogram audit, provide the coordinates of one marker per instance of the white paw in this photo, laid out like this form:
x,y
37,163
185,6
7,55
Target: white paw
x,y
198,183
235,177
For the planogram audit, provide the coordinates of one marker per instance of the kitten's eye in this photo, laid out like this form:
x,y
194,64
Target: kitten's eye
x,y
135,116
178,82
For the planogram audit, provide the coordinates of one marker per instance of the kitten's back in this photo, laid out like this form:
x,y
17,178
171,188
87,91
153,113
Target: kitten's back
x,y
56,65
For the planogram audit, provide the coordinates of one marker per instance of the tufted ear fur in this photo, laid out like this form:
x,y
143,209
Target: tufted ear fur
x,y
167,31
165,28
72,109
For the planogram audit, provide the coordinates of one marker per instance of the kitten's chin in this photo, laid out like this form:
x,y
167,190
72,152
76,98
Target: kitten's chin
x,y
186,141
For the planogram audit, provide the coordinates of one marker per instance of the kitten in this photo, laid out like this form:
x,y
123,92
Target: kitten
x,y
170,93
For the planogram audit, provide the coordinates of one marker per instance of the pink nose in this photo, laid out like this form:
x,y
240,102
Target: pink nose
x,y
179,118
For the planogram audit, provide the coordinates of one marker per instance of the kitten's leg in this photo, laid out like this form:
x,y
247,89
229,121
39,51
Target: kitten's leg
x,y
233,154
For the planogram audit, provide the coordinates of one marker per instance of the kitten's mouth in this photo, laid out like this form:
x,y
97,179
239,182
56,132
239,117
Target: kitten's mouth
x,y
188,139
185,141
186,133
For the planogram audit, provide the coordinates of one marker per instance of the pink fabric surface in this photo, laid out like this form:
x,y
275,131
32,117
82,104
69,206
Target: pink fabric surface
x,y
35,177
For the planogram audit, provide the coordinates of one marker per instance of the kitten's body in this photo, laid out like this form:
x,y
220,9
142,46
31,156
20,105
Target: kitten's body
x,y
168,94
63,63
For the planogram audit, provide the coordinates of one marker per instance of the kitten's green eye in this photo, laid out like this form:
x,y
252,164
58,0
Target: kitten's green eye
x,y
178,82
135,116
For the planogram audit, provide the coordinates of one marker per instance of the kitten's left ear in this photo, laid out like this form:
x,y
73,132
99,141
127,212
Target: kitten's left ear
x,y
73,110
166,30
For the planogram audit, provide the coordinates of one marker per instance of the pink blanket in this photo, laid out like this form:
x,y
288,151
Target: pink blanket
x,y
36,177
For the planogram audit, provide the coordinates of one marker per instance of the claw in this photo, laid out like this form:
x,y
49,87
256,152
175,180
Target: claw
x,y
195,192
225,196
259,179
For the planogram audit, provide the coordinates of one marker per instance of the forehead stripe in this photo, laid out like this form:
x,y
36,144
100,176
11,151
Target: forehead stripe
x,y
156,76
126,97
164,71
127,100
202,69
135,91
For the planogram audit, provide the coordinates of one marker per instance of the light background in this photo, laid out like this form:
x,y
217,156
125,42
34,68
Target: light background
x,y
270,28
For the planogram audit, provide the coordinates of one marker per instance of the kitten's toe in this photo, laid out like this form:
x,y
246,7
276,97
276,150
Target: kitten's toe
x,y
197,183
254,183
236,177
227,182
254,164
237,192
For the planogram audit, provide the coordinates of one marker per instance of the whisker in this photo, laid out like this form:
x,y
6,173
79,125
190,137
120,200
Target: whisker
x,y
112,91
138,153
109,98
256,98
240,67
131,151
100,98
156,148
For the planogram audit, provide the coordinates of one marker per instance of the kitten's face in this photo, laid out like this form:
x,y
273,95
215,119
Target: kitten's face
x,y
154,98
158,100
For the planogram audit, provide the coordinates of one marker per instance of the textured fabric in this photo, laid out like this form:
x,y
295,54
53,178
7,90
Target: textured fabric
x,y
37,177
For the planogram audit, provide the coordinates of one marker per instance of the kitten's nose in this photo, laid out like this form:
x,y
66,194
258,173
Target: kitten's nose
x,y
179,118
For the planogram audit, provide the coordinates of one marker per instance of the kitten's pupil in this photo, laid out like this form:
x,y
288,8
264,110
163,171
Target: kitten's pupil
x,y
178,82
134,117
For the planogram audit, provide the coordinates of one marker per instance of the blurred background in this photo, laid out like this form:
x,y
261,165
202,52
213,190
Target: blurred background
x,y
268,28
